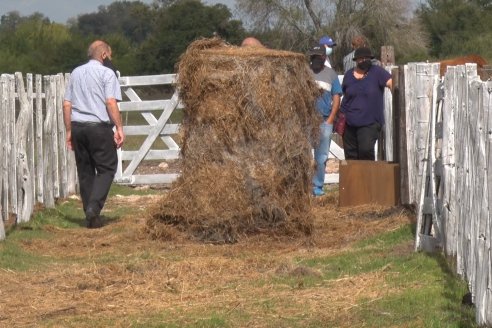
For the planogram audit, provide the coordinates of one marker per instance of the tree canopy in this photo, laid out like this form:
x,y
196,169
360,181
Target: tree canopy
x,y
457,27
149,39
297,24
146,39
180,24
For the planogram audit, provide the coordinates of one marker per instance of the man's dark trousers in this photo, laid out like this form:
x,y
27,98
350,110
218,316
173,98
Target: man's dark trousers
x,y
97,161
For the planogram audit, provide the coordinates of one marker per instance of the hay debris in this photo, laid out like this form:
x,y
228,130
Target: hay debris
x,y
246,153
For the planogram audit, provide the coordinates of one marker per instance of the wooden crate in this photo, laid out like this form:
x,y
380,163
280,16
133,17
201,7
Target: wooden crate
x,y
369,182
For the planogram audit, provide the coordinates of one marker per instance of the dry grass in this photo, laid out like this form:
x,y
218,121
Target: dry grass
x,y
115,274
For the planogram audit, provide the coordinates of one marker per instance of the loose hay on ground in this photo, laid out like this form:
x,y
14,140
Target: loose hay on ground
x,y
105,275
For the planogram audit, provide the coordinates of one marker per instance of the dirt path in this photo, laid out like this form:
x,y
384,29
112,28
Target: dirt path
x,y
116,276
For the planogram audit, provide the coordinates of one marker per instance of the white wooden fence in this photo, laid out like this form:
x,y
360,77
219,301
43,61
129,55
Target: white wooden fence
x,y
156,128
449,149
36,167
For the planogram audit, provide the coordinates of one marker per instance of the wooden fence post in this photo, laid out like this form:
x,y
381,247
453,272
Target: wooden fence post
x,y
30,138
3,158
48,142
24,186
5,142
39,139
54,136
12,152
61,136
387,56
449,164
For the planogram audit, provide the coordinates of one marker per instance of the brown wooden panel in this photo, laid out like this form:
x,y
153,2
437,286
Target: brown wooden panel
x,y
368,182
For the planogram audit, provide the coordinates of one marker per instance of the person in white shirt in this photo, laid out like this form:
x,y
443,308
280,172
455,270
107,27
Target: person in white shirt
x,y
90,111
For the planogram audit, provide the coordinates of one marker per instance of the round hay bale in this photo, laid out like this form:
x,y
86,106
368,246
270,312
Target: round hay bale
x,y
246,144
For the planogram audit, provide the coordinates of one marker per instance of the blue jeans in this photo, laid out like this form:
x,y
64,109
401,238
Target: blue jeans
x,y
321,153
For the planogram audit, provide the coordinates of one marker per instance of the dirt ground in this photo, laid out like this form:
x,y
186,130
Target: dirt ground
x,y
115,275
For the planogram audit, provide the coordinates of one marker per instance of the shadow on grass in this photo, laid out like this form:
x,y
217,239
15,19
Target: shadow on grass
x,y
460,313
76,220
82,222
107,220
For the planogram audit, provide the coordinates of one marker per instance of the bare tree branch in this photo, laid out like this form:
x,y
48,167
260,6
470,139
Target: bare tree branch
x,y
294,24
316,20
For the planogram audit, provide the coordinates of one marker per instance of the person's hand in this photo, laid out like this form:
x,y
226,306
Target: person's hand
x,y
119,137
69,140
330,119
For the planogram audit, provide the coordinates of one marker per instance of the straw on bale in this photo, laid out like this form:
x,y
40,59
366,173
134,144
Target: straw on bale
x,y
246,144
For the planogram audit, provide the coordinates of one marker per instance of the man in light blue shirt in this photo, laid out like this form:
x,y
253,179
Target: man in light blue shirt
x,y
90,111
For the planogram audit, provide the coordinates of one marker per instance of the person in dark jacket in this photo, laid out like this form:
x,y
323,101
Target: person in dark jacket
x,y
363,105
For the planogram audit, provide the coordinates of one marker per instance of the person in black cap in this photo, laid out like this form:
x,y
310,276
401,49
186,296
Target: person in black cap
x,y
363,105
327,106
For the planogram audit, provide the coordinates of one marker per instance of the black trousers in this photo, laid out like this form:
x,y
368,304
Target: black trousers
x,y
96,160
359,142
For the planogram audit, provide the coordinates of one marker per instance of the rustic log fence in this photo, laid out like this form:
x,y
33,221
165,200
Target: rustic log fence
x,y
449,153
36,167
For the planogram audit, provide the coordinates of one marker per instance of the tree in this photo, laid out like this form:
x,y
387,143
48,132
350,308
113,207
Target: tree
x,y
458,27
293,24
178,25
382,22
32,44
299,23
131,19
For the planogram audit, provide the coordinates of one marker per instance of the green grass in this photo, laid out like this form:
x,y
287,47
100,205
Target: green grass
x,y
134,142
67,214
128,191
13,257
418,290
422,291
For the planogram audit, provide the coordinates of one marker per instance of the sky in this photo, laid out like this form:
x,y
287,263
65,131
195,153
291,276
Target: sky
x,y
61,10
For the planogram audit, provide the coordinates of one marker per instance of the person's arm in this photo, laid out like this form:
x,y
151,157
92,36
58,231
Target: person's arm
x,y
335,106
114,114
67,119
389,84
336,92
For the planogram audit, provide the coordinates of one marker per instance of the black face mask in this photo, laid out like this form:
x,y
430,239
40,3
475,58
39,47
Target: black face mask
x,y
364,65
109,64
317,64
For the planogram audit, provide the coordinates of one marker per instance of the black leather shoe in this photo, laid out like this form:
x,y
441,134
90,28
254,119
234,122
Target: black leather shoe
x,y
93,219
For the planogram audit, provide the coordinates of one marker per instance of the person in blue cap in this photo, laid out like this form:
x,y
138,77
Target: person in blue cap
x,y
327,106
328,45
